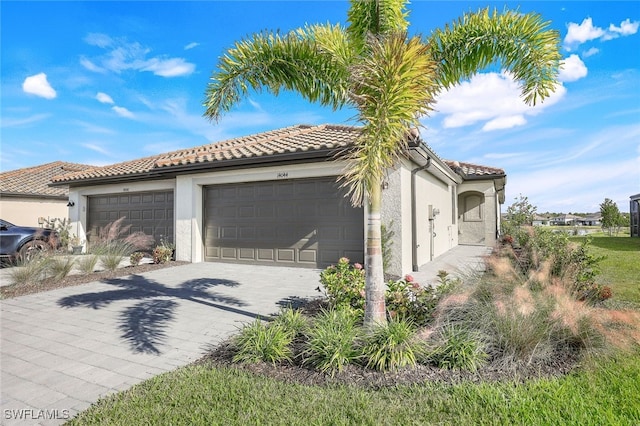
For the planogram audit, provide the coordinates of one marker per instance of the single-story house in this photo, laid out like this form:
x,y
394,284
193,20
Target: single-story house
x,y
566,219
593,219
539,220
272,198
26,198
634,211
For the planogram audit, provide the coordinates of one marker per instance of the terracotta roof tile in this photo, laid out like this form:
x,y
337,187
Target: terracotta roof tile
x,y
289,140
34,181
473,169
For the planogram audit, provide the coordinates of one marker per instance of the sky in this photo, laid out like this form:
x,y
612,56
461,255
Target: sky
x,y
102,82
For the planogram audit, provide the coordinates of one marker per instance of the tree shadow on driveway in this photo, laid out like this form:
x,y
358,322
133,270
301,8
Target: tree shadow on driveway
x,y
143,324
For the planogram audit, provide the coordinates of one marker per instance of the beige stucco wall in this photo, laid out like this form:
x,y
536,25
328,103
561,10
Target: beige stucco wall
x,y
397,213
491,210
26,211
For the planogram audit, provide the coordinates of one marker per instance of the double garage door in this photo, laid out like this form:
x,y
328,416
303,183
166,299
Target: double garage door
x,y
148,212
295,222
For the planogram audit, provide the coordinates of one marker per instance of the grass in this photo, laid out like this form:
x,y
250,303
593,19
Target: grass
x,y
603,390
199,395
621,267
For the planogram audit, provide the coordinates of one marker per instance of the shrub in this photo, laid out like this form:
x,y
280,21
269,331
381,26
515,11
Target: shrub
x,y
332,341
458,349
407,299
162,254
292,320
61,267
87,264
260,341
391,346
344,285
31,270
135,258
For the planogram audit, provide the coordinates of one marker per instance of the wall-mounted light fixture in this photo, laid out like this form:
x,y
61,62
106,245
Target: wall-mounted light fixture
x,y
385,184
71,203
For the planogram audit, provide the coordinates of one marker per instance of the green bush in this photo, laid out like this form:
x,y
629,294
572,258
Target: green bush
x,y
344,285
457,349
60,267
261,341
407,299
391,346
293,320
162,254
87,264
332,341
135,258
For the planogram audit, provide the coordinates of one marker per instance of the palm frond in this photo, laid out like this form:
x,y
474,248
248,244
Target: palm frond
x,y
520,43
392,88
377,17
311,61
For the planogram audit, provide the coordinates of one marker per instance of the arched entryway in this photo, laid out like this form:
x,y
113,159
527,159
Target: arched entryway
x,y
471,218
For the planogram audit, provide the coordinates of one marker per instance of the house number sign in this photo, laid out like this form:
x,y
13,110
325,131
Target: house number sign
x,y
282,175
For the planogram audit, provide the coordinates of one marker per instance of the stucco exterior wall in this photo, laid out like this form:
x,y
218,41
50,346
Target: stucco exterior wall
x,y
488,226
26,211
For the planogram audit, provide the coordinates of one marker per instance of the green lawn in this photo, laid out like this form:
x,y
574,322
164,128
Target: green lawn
x,y
604,390
621,267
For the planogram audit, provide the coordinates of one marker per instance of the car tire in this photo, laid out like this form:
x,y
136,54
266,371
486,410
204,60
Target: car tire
x,y
31,249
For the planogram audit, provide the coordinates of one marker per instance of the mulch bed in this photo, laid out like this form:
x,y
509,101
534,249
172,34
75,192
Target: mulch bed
x,y
354,375
10,291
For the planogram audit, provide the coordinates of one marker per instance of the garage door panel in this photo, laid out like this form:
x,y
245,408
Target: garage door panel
x,y
296,222
148,212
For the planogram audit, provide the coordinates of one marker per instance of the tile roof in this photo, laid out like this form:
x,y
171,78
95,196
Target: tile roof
x,y
270,145
469,169
34,181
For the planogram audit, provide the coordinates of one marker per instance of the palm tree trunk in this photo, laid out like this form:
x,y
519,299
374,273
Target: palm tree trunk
x,y
375,310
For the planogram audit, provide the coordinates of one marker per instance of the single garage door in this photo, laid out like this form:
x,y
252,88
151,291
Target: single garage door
x,y
149,212
305,222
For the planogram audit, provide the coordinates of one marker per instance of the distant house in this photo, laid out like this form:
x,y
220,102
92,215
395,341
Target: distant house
x,y
541,220
26,197
634,210
567,220
594,219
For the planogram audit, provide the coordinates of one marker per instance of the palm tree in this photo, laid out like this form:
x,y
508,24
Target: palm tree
x,y
391,79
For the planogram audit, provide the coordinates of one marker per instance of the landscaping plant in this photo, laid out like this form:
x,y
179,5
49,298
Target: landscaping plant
x,y
391,346
261,341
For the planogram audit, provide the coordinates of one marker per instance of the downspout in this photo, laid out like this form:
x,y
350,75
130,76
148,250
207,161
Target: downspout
x,y
414,224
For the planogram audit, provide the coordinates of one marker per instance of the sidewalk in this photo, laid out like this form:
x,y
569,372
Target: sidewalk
x,y
461,261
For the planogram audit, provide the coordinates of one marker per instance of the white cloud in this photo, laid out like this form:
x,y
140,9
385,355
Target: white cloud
x,y
626,28
39,86
580,33
122,55
590,52
97,148
172,67
191,46
123,112
586,31
572,69
98,39
104,98
91,66
492,98
14,122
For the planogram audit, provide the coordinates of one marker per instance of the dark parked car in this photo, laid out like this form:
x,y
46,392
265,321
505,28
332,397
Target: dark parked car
x,y
21,241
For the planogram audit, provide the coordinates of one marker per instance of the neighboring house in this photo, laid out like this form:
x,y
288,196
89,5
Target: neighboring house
x,y
26,197
566,219
594,219
272,198
541,220
634,210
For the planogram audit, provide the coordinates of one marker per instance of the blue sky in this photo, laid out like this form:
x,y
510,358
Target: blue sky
x,y
103,82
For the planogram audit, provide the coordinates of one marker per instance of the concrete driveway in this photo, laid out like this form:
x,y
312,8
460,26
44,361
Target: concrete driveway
x,y
64,349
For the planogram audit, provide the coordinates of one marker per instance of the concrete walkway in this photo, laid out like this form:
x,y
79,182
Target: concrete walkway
x,y
64,349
